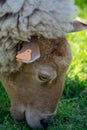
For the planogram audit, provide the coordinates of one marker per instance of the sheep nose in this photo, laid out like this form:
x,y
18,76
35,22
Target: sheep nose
x,y
45,122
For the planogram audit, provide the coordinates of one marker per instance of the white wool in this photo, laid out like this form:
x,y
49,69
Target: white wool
x,y
20,19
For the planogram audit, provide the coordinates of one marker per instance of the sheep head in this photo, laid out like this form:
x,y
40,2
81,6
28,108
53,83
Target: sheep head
x,y
36,89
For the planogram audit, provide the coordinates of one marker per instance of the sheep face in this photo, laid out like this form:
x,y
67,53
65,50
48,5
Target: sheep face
x,y
36,89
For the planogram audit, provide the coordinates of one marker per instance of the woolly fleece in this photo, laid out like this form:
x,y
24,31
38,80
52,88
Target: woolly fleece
x,y
21,19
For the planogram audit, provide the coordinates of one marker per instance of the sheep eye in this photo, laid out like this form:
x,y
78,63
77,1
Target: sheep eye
x,y
43,78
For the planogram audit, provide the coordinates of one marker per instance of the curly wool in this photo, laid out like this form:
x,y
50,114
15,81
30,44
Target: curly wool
x,y
21,19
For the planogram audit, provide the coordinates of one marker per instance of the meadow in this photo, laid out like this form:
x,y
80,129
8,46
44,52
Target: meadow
x,y
72,108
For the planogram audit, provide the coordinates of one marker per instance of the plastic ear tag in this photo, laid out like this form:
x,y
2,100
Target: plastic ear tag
x,y
29,53
24,56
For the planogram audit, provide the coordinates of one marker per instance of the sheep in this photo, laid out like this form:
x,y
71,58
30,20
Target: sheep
x,y
37,29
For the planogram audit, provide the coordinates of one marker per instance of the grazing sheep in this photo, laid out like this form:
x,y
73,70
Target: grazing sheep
x,y
35,55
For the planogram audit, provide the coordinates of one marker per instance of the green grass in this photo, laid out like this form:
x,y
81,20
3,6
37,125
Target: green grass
x,y
82,11
72,108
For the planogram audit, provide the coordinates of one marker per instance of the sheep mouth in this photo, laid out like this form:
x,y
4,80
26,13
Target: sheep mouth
x,y
41,123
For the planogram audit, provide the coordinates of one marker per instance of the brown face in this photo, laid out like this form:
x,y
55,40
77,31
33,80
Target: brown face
x,y
36,89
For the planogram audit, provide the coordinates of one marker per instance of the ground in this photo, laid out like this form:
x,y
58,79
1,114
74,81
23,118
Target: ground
x,y
72,108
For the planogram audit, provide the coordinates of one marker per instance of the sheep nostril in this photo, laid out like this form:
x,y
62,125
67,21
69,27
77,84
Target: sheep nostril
x,y
45,122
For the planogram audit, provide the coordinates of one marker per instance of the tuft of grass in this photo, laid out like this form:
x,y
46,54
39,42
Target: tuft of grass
x,y
71,115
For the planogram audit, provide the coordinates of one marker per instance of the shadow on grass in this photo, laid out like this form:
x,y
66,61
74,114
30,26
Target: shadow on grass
x,y
74,87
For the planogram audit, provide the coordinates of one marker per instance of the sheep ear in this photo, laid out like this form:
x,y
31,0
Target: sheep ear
x,y
29,53
78,26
